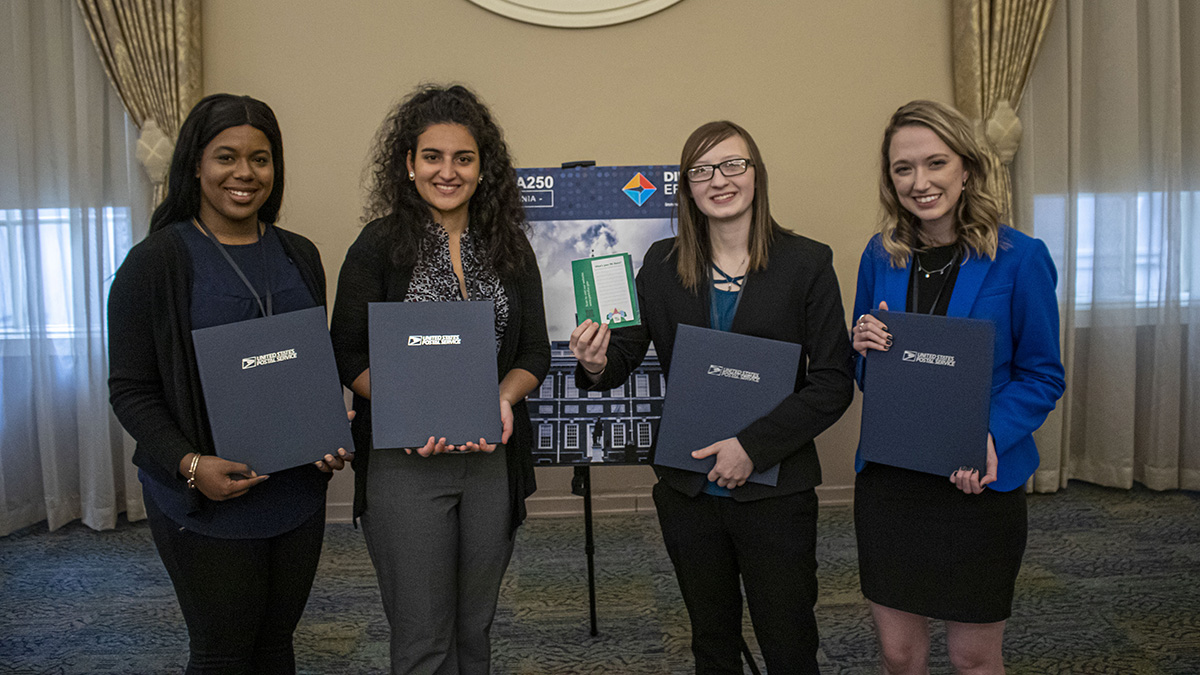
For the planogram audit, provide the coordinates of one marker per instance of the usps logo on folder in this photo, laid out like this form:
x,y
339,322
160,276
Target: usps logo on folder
x,y
926,401
720,383
433,373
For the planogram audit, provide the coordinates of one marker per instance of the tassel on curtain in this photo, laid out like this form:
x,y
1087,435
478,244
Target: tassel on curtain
x,y
151,52
995,45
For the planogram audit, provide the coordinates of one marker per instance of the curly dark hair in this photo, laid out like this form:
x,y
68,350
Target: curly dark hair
x,y
496,215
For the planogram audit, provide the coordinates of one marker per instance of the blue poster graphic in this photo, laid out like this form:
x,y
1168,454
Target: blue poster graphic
x,y
580,213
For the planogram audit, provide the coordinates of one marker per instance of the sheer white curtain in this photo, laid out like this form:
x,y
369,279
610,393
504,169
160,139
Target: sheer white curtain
x,y
1109,177
72,197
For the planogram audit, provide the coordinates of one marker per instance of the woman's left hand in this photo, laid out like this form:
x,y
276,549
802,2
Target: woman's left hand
x,y
506,425
339,461
733,465
969,480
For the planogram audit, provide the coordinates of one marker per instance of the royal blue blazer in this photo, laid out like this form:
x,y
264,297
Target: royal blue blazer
x,y
1016,292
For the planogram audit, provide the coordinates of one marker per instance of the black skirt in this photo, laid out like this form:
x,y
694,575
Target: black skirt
x,y
927,548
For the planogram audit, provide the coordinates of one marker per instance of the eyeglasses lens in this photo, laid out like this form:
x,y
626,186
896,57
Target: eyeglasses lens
x,y
734,167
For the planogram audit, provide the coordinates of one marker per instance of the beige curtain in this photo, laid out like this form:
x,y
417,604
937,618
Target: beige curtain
x,y
1109,178
995,45
151,52
70,193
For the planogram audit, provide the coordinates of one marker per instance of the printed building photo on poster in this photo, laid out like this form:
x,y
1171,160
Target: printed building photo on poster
x,y
585,212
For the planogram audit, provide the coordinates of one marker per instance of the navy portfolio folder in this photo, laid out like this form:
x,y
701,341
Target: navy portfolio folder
x,y
272,391
720,383
926,400
433,373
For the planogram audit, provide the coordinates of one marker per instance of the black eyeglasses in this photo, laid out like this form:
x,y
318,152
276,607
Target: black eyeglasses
x,y
729,168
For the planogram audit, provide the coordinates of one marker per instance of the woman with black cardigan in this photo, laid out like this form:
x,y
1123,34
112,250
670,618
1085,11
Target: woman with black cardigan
x,y
733,268
447,226
241,550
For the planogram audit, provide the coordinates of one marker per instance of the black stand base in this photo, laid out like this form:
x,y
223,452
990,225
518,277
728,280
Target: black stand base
x,y
581,484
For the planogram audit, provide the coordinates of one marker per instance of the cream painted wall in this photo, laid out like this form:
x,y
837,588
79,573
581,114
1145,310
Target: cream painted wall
x,y
813,80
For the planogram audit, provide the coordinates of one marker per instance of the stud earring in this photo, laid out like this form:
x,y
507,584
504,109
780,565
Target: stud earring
x,y
481,180
413,176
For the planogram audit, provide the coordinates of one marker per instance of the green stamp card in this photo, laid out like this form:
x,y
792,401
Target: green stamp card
x,y
605,291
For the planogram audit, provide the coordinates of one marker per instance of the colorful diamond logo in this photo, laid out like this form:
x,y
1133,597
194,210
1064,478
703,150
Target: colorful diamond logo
x,y
639,188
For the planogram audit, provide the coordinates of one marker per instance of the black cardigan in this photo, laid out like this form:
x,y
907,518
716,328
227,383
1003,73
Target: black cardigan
x,y
796,299
369,275
153,382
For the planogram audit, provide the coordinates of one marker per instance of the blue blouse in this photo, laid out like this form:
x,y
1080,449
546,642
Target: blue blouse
x,y
724,305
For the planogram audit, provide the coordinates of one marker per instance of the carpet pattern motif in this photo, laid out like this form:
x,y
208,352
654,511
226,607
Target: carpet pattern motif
x,y
1110,584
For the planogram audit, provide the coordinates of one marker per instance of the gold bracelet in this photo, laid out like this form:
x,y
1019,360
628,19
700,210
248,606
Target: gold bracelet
x,y
191,481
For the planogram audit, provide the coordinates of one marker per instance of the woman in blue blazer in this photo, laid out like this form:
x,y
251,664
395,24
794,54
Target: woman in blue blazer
x,y
942,547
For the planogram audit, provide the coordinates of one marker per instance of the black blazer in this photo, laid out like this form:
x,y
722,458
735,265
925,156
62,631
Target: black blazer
x,y
153,381
369,275
797,299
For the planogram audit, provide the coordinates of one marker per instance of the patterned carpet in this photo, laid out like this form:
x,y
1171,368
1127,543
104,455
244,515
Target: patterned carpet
x,y
1111,584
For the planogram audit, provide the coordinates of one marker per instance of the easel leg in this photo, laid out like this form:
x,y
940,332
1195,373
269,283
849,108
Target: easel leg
x,y
582,485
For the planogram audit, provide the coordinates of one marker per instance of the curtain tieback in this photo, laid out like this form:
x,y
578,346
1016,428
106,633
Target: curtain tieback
x,y
154,149
1004,132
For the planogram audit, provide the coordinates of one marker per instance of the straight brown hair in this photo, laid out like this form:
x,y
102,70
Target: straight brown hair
x,y
693,249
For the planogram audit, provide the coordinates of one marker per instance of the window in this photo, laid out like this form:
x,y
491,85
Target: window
x,y
547,390
644,435
545,436
618,434
1138,268
571,434
641,385
43,250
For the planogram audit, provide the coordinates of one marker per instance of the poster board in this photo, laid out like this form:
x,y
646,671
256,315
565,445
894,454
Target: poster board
x,y
578,213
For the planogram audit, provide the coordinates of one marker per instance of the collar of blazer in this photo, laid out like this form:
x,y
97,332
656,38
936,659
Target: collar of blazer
x,y
971,274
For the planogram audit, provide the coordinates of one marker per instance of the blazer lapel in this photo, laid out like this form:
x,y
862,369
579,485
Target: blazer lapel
x,y
895,290
970,278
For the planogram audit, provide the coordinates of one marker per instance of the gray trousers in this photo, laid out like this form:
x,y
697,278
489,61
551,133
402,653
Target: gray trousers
x,y
437,530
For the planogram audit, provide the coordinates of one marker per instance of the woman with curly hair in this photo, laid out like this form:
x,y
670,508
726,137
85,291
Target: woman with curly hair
x,y
943,547
446,225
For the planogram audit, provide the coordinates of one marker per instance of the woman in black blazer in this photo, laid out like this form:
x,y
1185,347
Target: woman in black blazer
x,y
733,268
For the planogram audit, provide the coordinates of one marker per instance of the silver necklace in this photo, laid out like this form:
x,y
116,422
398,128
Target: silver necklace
x,y
942,270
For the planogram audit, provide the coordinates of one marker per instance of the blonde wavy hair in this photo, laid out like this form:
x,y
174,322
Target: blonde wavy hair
x,y
977,214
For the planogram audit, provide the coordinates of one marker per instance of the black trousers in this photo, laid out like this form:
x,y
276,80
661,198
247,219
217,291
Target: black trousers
x,y
719,545
241,598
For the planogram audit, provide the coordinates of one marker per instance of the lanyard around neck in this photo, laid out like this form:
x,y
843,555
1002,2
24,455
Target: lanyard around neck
x,y
266,310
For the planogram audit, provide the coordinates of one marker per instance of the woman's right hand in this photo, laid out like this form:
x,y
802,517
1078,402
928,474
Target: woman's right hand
x,y
589,344
220,479
870,333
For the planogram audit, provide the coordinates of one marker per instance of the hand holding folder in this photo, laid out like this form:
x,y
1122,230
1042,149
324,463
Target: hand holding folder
x,y
733,465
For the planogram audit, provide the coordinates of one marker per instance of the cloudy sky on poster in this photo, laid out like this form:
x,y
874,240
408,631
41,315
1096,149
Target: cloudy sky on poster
x,y
558,242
